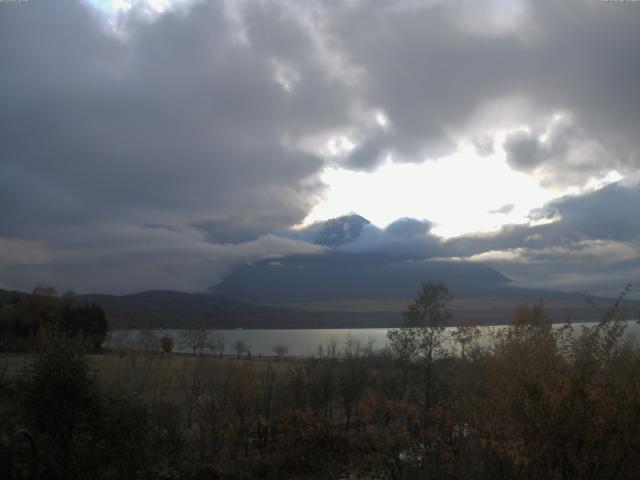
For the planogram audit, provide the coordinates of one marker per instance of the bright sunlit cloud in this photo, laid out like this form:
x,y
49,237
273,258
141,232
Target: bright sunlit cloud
x,y
462,193
151,8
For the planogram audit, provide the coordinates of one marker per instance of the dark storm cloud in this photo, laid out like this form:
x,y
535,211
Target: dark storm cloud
x,y
564,155
176,119
175,124
524,152
169,151
443,71
368,154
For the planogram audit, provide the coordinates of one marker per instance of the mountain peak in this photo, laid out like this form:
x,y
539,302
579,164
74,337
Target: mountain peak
x,y
340,230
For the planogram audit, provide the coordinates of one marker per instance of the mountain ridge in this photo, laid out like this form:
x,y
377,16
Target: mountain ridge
x,y
339,275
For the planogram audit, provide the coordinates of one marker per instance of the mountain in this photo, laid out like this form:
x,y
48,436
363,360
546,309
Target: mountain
x,y
333,232
340,281
343,275
171,309
341,230
374,289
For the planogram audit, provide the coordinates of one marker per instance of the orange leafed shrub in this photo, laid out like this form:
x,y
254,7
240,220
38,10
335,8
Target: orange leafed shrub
x,y
167,344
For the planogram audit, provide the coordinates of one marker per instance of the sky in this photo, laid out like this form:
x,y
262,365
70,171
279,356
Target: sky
x,y
158,144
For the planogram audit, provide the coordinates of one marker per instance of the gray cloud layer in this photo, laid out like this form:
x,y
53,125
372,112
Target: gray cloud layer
x,y
162,156
139,155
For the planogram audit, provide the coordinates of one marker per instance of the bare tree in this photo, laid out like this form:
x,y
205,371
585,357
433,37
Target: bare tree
x,y
330,350
280,351
195,340
147,340
214,405
353,378
467,341
217,344
118,341
240,347
192,380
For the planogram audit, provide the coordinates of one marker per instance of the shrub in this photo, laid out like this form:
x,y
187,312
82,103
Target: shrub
x,y
167,344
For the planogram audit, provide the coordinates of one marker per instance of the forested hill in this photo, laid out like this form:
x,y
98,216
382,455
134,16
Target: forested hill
x,y
172,309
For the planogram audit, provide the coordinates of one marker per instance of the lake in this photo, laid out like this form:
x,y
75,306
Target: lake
x,y
299,342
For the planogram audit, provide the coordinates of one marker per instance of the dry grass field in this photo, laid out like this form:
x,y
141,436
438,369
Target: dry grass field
x,y
155,376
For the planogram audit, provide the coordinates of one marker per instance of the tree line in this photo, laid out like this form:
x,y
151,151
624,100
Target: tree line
x,y
533,400
27,321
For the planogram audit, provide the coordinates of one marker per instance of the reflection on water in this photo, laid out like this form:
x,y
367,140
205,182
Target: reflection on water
x,y
299,342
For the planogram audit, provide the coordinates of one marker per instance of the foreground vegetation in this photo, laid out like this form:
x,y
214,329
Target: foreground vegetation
x,y
534,402
28,321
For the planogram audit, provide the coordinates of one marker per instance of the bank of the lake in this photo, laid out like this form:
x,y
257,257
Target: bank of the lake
x,y
298,342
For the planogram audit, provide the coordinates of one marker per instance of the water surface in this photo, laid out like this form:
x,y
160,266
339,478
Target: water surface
x,y
299,342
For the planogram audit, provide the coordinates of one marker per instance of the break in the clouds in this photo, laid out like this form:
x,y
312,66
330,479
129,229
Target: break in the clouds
x,y
158,150
588,242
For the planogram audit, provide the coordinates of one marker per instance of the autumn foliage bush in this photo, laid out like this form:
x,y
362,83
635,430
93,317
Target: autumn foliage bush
x,y
166,344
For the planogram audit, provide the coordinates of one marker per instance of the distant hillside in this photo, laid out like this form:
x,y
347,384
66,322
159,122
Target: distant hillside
x,y
8,295
171,309
379,286
166,308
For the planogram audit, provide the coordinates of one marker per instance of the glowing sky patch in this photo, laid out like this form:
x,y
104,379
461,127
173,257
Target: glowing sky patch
x,y
151,8
458,193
